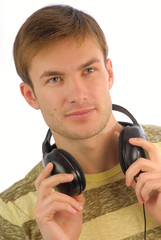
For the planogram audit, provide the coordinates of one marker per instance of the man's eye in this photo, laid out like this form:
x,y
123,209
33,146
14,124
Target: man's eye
x,y
54,80
89,70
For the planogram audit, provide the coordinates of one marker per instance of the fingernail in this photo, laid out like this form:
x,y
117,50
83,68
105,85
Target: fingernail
x,y
132,139
73,211
69,176
141,201
127,182
80,207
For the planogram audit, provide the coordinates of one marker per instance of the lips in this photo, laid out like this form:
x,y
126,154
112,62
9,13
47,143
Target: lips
x,y
80,114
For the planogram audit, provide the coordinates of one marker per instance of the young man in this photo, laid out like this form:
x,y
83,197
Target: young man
x,y
61,55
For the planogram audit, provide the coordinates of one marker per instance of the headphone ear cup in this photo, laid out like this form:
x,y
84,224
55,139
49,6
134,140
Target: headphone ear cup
x,y
64,162
121,150
128,153
78,170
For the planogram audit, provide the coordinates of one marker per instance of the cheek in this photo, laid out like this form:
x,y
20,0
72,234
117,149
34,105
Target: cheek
x,y
48,99
101,87
47,104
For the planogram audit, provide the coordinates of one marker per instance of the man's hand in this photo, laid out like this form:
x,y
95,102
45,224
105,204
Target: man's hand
x,y
148,185
58,215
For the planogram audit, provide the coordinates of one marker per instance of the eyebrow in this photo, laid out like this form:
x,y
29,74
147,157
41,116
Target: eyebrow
x,y
90,62
84,65
51,73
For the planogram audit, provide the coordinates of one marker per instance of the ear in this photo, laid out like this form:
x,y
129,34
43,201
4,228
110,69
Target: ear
x,y
110,72
29,95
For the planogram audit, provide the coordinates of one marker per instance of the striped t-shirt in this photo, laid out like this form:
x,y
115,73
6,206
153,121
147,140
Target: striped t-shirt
x,y
111,210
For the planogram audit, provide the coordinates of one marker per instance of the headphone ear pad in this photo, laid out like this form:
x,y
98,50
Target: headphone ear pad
x,y
121,150
76,166
128,153
64,162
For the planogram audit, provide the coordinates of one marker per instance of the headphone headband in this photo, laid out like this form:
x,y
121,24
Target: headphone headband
x,y
46,147
125,111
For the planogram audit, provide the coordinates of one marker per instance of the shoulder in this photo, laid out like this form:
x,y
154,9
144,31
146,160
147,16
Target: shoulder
x,y
22,187
16,208
153,133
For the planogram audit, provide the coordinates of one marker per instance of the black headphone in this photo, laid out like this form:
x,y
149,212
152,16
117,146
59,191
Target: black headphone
x,y
64,162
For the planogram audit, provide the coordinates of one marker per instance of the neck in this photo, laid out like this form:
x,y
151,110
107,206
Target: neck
x,y
96,154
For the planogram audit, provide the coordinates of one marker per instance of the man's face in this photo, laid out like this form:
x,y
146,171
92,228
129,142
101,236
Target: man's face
x,y
71,85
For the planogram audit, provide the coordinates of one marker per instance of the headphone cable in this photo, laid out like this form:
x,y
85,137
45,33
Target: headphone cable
x,y
144,221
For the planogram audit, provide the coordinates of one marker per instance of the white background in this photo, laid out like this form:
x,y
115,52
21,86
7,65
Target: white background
x,y
133,32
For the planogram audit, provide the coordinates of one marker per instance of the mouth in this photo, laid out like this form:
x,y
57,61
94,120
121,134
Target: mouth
x,y
80,114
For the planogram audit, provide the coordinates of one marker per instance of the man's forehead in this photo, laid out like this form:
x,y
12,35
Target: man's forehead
x,y
68,42
67,48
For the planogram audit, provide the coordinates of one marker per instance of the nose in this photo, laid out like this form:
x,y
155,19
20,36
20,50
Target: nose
x,y
77,90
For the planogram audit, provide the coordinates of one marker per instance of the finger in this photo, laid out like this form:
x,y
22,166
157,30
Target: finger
x,y
59,206
80,198
141,180
140,164
47,185
47,211
63,198
150,186
44,174
149,147
56,202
